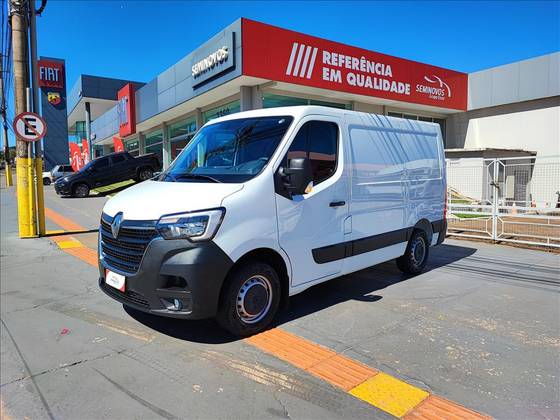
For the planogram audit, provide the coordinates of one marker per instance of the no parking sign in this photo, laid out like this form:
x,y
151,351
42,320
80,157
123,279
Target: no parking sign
x,y
29,126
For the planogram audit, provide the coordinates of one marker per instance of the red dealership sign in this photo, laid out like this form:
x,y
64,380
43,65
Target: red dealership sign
x,y
126,109
286,56
51,74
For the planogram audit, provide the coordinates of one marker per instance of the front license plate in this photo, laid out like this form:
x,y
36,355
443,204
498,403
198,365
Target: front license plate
x,y
115,280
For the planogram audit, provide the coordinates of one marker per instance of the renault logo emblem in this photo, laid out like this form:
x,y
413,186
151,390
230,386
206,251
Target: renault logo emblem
x,y
116,225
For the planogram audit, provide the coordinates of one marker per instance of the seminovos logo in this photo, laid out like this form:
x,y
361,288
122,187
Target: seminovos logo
x,y
302,61
437,88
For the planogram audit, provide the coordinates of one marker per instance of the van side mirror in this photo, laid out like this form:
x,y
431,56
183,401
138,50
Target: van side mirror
x,y
297,175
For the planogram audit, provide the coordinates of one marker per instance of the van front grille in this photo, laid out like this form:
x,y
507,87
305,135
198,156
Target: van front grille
x,y
125,252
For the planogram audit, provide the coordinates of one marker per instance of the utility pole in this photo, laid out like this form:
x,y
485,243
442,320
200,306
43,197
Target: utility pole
x,y
24,164
8,170
35,94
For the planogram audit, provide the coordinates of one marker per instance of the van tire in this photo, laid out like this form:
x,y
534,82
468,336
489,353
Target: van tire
x,y
416,255
262,281
46,181
80,190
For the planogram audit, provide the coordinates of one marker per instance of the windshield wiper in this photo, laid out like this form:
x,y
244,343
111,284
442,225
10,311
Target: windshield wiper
x,y
195,176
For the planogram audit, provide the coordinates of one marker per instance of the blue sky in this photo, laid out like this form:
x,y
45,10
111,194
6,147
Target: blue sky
x,y
139,39
136,40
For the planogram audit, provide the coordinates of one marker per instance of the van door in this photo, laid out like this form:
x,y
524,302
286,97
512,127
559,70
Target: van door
x,y
311,226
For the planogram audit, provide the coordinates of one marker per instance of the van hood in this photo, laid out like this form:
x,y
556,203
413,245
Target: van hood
x,y
150,200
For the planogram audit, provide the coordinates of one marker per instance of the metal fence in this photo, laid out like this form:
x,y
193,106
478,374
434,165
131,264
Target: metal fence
x,y
507,199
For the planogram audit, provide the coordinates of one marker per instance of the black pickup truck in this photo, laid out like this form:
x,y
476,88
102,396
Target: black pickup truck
x,y
107,170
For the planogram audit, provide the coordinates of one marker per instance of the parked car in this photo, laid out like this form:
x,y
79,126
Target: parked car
x,y
107,170
57,172
264,204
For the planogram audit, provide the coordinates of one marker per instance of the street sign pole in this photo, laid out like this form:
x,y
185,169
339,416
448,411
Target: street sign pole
x,y
18,10
29,127
35,90
31,174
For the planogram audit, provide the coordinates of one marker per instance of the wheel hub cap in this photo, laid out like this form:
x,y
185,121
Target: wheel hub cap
x,y
254,299
418,252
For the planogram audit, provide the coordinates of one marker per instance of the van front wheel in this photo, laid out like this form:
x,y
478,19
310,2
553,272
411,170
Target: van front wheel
x,y
249,300
416,255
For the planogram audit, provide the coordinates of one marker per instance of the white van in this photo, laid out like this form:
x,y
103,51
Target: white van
x,y
264,204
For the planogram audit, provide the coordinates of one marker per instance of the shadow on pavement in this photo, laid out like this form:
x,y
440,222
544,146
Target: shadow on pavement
x,y
356,286
360,285
200,331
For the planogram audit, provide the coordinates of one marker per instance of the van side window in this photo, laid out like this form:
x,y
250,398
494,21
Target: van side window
x,y
322,145
318,141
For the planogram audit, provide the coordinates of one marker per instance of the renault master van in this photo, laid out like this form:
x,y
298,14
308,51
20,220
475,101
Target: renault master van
x,y
264,204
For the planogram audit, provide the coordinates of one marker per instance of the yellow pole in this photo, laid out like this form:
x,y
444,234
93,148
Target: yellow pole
x,y
9,180
40,196
26,226
24,160
31,183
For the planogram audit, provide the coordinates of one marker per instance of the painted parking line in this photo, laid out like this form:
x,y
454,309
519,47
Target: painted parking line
x,y
62,221
376,388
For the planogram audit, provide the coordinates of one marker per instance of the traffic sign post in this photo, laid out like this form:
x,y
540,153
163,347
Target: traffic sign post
x,y
30,128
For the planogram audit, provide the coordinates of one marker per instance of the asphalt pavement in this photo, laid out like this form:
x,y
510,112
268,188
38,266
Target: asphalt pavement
x,y
480,327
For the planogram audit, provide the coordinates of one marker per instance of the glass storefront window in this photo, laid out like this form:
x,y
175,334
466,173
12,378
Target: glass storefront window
x,y
154,138
220,111
271,100
97,151
440,121
80,129
154,144
181,128
180,134
157,149
132,146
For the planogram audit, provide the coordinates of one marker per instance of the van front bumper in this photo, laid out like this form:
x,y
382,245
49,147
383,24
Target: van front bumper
x,y
173,271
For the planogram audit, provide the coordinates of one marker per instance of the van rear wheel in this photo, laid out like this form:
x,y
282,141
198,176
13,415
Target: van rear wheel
x,y
416,255
250,299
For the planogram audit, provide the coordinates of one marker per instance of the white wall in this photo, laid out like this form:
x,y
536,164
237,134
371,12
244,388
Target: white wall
x,y
517,82
535,130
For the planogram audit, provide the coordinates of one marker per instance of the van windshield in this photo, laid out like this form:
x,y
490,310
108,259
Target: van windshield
x,y
229,151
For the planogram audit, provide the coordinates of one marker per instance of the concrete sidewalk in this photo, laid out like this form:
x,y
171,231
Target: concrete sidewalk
x,y
480,327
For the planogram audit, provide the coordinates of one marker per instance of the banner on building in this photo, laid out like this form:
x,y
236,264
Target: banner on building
x,y
292,57
126,109
118,143
76,157
85,152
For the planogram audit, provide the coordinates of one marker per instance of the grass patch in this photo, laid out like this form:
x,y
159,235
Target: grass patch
x,y
114,188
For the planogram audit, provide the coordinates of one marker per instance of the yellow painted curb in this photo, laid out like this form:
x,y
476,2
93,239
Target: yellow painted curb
x,y
389,394
69,244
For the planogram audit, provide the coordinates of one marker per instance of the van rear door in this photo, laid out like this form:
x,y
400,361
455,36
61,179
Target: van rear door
x,y
311,226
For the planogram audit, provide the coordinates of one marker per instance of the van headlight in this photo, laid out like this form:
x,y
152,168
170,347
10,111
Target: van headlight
x,y
194,226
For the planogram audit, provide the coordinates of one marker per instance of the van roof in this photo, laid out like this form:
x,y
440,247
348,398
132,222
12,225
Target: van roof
x,y
294,111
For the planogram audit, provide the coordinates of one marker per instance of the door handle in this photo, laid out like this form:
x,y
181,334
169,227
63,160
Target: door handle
x,y
337,203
